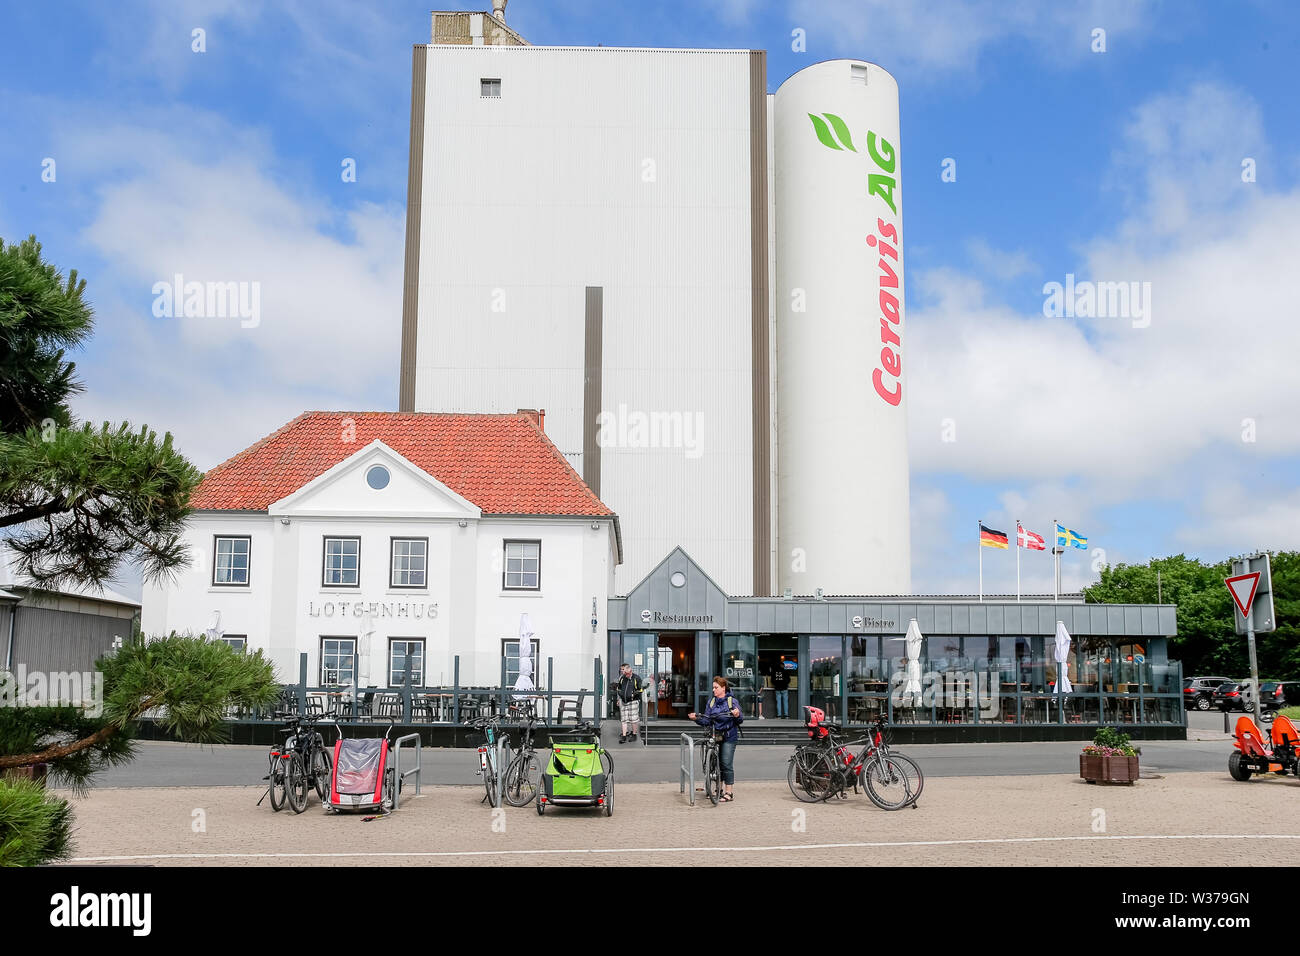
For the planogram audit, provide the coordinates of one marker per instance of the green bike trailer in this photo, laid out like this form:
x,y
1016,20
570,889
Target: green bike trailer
x,y
578,773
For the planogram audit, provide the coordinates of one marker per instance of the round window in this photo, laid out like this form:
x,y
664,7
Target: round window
x,y
678,579
377,477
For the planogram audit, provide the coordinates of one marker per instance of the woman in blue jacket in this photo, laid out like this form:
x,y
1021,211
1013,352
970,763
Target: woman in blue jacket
x,y
723,716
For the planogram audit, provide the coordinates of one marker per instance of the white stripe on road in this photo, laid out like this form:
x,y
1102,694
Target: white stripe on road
x,y
669,849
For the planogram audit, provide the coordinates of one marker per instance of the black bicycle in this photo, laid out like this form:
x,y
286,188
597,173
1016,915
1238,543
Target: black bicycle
x,y
524,774
300,764
487,757
711,763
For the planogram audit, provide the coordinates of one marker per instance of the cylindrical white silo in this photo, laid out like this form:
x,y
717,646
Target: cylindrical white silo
x,y
841,349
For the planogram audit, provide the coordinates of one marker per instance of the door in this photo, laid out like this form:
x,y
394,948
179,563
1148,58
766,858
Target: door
x,y
641,651
740,667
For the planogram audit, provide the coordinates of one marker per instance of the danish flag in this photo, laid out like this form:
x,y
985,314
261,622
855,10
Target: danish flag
x,y
1027,539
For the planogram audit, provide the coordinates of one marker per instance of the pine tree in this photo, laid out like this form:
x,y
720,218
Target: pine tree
x,y
80,499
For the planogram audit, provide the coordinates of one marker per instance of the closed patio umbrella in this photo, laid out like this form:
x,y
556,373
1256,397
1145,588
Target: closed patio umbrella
x,y
1062,659
364,630
215,630
525,681
912,689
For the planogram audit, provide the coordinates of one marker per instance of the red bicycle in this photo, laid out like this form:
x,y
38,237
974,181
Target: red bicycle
x,y
827,767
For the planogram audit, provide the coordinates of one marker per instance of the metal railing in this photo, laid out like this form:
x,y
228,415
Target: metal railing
x,y
686,753
445,705
403,774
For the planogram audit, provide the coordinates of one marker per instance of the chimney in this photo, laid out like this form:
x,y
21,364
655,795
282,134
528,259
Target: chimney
x,y
537,417
499,9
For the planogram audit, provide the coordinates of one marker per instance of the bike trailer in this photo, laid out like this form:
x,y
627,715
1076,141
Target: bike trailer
x,y
362,779
814,720
575,776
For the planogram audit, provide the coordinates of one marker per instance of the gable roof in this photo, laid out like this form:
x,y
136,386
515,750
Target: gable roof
x,y
504,464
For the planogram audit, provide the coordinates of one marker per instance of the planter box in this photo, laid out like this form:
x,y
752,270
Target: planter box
x,y
36,772
1098,769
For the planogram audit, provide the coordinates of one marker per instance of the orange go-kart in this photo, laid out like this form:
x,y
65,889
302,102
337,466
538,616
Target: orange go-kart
x,y
1258,752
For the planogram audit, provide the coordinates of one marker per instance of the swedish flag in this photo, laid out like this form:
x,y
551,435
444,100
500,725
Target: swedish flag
x,y
1067,538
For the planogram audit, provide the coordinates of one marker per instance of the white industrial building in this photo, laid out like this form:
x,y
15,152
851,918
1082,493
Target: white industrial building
x,y
680,268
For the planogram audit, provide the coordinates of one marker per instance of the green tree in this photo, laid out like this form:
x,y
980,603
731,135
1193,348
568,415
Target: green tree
x,y
79,500
1206,642
188,682
40,316
35,826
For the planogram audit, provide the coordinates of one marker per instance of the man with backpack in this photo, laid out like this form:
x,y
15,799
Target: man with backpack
x,y
629,690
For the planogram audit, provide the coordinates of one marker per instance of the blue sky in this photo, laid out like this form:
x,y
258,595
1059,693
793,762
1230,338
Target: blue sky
x,y
1122,165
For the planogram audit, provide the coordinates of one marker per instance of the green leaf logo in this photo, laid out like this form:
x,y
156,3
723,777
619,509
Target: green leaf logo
x,y
845,141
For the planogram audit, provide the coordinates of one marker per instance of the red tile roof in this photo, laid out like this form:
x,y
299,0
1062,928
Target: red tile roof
x,y
504,464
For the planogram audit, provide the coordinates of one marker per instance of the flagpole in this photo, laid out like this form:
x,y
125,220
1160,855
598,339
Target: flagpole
x,y
979,543
1017,559
1056,557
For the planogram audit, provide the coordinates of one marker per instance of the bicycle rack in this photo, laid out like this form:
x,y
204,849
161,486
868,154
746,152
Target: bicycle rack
x,y
686,753
403,774
503,763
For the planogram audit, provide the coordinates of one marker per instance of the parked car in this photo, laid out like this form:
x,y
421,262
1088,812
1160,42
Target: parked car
x,y
1232,696
1198,692
1274,695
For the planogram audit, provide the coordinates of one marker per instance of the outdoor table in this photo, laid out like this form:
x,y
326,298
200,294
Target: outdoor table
x,y
332,699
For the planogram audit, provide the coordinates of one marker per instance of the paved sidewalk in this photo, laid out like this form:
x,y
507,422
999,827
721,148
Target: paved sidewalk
x,y
1196,819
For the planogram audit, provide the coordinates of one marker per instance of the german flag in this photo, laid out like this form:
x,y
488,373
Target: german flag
x,y
992,539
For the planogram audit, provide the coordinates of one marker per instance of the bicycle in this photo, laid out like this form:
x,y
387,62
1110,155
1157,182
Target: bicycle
x,y
524,773
487,758
711,764
826,768
300,764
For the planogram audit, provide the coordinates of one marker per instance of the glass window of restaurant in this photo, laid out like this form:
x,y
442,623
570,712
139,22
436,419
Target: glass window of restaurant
x,y
868,678
825,657
740,668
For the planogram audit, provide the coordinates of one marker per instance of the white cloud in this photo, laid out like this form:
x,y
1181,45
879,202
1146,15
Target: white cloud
x,y
1192,416
1035,397
999,263
951,35
203,200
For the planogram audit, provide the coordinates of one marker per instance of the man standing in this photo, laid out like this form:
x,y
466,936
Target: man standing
x,y
781,684
629,690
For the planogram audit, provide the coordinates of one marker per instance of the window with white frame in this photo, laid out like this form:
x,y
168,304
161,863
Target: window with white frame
x,y
523,566
489,87
338,660
238,641
406,662
410,562
342,563
230,561
510,651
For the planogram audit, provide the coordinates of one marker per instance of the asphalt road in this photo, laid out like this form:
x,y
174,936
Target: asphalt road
x,y
161,764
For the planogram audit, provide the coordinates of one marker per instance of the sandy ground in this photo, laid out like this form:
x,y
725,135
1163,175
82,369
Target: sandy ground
x,y
1182,819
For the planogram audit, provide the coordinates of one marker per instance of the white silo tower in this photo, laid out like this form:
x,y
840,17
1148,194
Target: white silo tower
x,y
841,349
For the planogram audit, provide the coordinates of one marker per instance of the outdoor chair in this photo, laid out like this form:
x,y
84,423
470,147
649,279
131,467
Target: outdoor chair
x,y
569,705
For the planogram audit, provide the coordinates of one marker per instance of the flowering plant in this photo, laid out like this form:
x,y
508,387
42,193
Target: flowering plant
x,y
1093,750
1109,742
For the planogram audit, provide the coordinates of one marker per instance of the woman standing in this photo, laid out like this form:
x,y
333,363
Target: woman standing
x,y
723,716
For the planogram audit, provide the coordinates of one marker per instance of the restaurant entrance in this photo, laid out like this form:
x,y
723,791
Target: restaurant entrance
x,y
674,673
778,670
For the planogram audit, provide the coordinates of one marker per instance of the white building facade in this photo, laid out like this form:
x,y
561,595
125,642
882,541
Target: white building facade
x,y
595,231
380,571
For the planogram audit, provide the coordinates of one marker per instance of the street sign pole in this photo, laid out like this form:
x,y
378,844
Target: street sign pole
x,y
1251,588
1254,669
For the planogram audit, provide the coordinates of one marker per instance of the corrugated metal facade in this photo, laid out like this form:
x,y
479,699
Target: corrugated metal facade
x,y
627,170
